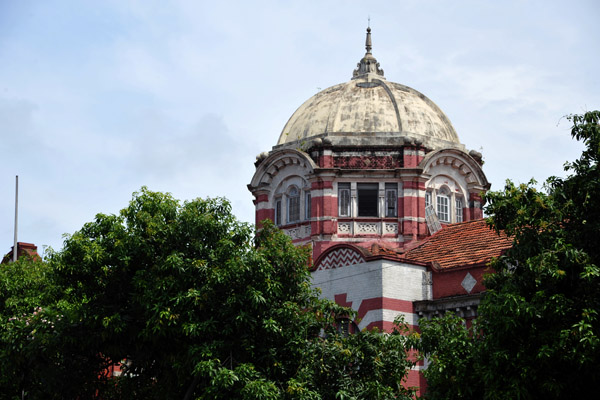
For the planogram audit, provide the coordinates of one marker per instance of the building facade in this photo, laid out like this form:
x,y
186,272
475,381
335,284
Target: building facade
x,y
23,250
372,175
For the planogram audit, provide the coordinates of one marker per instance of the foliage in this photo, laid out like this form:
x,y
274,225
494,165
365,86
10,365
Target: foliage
x,y
190,305
27,331
538,331
364,365
451,349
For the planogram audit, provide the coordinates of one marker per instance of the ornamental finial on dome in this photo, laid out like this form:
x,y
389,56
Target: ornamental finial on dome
x,y
368,65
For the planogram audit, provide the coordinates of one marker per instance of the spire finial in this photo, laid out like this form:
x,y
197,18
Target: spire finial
x,y
368,44
368,65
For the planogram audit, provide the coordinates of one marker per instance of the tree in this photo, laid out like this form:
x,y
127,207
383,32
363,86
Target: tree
x,y
451,348
538,327
27,331
363,365
191,306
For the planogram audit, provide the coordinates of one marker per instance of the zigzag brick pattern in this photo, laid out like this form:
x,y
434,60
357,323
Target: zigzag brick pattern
x,y
340,258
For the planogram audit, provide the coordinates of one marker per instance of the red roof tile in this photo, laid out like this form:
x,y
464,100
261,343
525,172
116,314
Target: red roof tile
x,y
461,244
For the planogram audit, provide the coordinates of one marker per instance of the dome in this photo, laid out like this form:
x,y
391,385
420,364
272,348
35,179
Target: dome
x,y
370,110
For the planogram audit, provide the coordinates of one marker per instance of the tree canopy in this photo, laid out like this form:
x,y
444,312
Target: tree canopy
x,y
538,329
191,305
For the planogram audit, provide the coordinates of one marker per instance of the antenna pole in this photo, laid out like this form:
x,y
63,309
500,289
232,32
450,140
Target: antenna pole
x,y
15,248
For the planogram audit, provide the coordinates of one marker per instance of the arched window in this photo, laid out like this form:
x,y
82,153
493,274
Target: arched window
x,y
446,200
293,205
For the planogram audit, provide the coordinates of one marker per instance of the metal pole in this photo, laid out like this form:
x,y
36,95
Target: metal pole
x,y
15,248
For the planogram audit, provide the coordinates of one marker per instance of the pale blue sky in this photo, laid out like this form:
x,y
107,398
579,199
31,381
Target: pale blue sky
x,y
98,98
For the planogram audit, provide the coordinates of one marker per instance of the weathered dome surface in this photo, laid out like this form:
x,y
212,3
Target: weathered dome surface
x,y
370,110
375,108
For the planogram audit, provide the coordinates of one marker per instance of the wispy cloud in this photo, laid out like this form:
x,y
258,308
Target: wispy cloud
x,y
98,100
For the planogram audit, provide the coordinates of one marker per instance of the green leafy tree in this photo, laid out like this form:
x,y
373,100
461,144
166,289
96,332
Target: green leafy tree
x,y
364,365
451,348
27,330
192,306
539,328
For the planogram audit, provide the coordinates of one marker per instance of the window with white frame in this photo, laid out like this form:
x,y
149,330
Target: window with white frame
x,y
344,199
447,201
293,205
307,206
391,200
459,209
367,199
443,207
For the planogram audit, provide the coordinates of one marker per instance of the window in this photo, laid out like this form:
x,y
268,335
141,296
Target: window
x,y
447,203
459,210
391,200
367,199
293,205
344,199
307,207
278,212
443,208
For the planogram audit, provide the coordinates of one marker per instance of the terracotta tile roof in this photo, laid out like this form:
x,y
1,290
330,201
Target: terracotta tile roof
x,y
461,244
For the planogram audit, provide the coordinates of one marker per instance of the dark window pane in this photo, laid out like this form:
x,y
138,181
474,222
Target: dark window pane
x,y
367,199
278,212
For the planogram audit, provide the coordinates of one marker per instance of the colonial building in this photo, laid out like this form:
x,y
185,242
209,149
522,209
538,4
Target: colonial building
x,y
372,175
